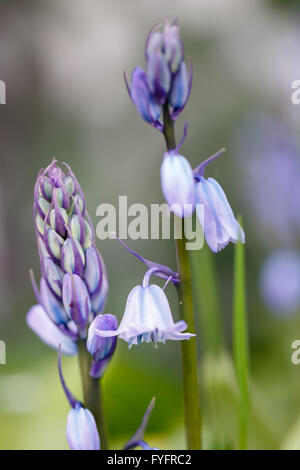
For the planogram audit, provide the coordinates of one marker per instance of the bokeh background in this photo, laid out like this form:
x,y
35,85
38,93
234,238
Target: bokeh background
x,y
62,62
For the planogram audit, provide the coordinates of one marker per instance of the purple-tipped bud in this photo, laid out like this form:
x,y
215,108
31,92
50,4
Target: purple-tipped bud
x,y
46,188
58,219
53,242
167,42
54,276
159,77
53,307
144,102
180,88
82,433
101,349
72,257
76,300
177,182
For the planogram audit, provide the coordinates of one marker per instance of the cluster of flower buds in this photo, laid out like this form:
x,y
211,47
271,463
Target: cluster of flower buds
x,y
73,287
185,189
166,80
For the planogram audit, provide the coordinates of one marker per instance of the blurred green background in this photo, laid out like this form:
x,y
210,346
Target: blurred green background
x,y
62,62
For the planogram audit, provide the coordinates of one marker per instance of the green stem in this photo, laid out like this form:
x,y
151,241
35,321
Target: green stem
x,y
92,392
188,348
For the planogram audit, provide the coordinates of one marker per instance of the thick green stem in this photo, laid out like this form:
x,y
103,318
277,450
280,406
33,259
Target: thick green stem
x,y
190,383
188,351
92,392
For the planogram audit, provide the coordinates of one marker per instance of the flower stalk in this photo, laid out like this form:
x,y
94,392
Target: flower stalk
x,y
192,411
92,392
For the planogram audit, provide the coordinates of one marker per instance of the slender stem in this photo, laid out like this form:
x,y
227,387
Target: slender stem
x,y
188,351
188,348
92,392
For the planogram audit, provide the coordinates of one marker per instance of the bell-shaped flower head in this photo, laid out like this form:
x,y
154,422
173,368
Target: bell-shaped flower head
x,y
177,182
147,317
217,219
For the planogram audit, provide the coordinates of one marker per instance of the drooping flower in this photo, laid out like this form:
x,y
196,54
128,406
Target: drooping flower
x,y
217,219
177,182
73,287
102,349
81,430
147,317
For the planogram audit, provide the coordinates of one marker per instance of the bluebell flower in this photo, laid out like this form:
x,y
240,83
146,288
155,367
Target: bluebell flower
x,y
102,349
219,224
177,182
81,430
217,219
147,317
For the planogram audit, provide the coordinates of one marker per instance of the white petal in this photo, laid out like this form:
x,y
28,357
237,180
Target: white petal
x,y
38,320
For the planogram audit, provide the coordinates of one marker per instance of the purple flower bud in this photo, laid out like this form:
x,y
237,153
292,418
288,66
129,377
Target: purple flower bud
x,y
147,317
72,257
219,224
46,188
39,321
58,219
101,349
42,206
180,88
93,270
82,433
76,300
168,42
99,298
142,98
53,242
173,47
159,77
177,182
54,276
53,307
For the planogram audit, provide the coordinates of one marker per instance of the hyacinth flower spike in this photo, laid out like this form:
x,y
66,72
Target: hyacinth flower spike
x,y
73,287
219,223
147,317
81,430
137,439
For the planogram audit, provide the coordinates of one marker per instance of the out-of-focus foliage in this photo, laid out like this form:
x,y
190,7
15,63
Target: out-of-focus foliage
x,y
62,63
